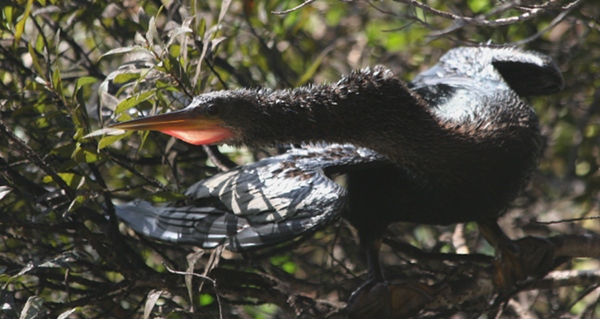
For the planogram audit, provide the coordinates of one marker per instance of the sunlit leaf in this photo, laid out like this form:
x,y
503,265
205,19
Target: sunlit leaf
x,y
151,32
57,81
108,100
122,50
478,6
105,131
126,77
140,40
109,140
76,203
206,299
84,80
34,308
71,179
68,313
20,27
201,28
4,190
42,122
177,32
35,60
153,296
134,100
85,155
224,7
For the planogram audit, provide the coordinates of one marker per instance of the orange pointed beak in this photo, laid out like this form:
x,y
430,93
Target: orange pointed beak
x,y
185,125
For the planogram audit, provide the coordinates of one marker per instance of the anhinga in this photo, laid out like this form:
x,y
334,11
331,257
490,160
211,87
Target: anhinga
x,y
456,145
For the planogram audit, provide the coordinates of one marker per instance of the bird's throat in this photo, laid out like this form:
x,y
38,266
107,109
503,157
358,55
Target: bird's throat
x,y
200,137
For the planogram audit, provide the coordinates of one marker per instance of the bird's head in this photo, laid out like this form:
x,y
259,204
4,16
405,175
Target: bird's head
x,y
527,73
210,118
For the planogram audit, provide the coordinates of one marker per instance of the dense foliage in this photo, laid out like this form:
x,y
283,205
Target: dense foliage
x,y
69,68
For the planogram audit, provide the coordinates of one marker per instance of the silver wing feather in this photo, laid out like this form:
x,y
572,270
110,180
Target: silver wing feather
x,y
254,206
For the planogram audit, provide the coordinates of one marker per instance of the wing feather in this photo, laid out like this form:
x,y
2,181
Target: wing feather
x,y
254,206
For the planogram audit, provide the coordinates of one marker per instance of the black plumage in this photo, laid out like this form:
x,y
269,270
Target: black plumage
x,y
459,141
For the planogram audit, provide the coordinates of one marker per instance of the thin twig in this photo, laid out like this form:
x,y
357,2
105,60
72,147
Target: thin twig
x,y
213,281
533,13
305,3
37,160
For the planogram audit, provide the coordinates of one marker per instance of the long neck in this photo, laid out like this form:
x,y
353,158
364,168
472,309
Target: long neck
x,y
370,108
493,140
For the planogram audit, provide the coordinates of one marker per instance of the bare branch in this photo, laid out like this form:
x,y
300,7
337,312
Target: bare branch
x,y
304,4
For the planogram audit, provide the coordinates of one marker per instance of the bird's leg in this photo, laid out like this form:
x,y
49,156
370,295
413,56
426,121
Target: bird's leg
x,y
375,272
370,245
378,298
507,266
517,260
361,300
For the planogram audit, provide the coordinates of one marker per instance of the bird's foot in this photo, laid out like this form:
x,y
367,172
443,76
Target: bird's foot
x,y
385,300
528,257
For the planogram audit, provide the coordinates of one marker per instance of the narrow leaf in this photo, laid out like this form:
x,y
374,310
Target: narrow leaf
x,y
151,32
109,140
121,51
84,80
35,60
4,190
133,101
125,77
224,7
34,308
150,302
67,313
20,27
76,203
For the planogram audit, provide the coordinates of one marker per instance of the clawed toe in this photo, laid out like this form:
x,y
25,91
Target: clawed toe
x,y
529,257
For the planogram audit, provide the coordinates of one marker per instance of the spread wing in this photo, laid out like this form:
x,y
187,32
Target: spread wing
x,y
257,205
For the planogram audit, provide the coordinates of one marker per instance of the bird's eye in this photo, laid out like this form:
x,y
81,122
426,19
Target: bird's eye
x,y
212,110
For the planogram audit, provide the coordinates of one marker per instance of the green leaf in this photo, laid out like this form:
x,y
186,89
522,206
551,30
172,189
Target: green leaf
x,y
109,140
41,122
478,6
8,15
76,203
206,299
84,80
134,100
86,155
40,44
164,197
36,61
289,267
57,82
63,150
71,179
125,77
201,28
20,27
